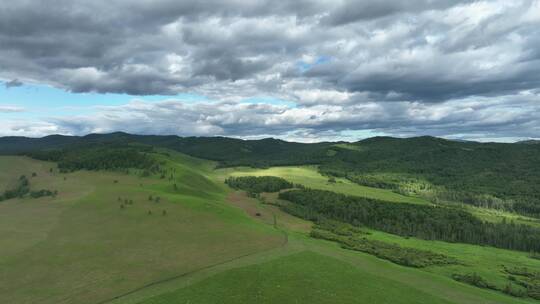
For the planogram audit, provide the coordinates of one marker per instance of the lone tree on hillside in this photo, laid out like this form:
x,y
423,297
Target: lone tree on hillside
x,y
150,198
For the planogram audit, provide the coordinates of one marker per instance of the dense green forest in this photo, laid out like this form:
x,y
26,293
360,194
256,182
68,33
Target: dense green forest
x,y
227,151
231,152
99,157
500,176
258,184
421,221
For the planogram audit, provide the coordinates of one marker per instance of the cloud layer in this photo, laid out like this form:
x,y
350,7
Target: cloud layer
x,y
447,68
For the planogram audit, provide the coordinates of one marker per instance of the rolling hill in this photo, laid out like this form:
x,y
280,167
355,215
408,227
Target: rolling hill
x,y
149,219
493,175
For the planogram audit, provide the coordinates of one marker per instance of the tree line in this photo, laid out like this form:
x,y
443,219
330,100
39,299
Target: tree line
x,y
258,184
350,238
104,157
421,221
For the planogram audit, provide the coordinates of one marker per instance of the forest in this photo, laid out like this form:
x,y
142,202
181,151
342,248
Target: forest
x,y
491,175
99,157
408,220
258,184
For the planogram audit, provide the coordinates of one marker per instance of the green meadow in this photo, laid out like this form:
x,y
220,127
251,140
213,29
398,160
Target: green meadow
x,y
311,178
82,247
102,240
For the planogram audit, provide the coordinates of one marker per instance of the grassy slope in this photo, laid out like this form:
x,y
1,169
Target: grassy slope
x,y
82,248
309,177
308,270
486,261
284,280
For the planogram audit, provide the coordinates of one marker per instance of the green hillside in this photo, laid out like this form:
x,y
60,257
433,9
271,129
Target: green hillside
x,y
99,238
284,280
493,175
136,223
499,176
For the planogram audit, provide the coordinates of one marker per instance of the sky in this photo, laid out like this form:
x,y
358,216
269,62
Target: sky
x,y
297,70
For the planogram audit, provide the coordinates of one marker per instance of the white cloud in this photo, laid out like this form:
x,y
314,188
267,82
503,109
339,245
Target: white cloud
x,y
10,109
27,128
512,116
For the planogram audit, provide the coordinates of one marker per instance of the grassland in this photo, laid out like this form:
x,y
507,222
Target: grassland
x,y
297,264
284,280
212,246
311,178
315,271
487,262
81,247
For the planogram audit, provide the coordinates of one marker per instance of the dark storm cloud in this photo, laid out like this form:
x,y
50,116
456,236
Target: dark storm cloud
x,y
229,40
385,58
358,10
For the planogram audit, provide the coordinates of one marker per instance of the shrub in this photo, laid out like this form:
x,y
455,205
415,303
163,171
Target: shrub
x,y
405,256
